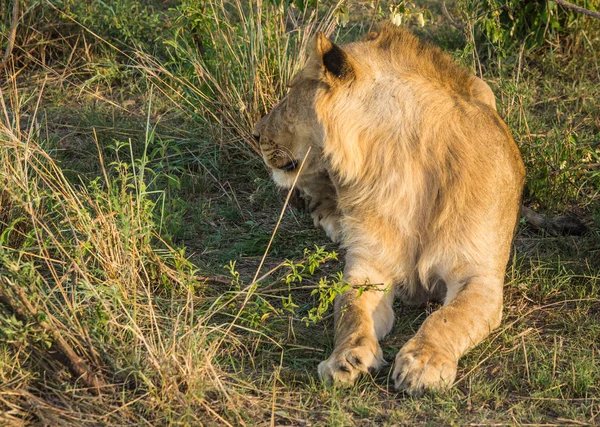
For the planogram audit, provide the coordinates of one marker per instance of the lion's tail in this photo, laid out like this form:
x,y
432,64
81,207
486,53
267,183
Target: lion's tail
x,y
555,226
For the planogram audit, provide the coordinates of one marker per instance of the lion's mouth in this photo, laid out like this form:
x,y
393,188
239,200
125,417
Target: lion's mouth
x,y
288,167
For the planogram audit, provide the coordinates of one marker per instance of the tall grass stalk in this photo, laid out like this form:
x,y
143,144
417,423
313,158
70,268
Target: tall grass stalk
x,y
238,66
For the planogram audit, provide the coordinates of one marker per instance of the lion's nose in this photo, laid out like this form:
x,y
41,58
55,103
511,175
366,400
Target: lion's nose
x,y
257,130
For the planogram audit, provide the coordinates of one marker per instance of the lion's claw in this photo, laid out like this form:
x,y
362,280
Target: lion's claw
x,y
345,365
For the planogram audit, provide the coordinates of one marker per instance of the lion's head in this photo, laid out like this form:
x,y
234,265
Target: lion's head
x,y
291,141
288,131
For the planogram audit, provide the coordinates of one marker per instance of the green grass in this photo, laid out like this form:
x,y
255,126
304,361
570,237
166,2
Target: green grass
x,y
128,180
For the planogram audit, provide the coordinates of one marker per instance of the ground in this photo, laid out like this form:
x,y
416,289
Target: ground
x,y
135,215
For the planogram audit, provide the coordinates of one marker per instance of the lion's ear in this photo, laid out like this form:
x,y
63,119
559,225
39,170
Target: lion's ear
x,y
332,58
481,91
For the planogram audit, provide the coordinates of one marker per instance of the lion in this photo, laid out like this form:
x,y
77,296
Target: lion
x,y
426,183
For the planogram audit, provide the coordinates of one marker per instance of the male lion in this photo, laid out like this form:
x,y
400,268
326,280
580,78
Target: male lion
x,y
428,181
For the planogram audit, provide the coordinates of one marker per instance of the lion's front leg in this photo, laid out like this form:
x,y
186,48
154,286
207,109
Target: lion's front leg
x,y
429,360
361,321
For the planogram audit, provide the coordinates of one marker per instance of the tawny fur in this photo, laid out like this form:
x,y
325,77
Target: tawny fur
x,y
428,182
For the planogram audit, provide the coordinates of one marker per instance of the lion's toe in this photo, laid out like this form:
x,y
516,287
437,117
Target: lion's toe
x,y
419,368
332,228
344,366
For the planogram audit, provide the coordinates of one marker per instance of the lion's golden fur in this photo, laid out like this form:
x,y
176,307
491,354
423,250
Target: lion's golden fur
x,y
427,181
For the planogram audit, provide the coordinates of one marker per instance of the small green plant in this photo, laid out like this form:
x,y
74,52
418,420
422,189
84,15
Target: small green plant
x,y
253,306
326,292
530,23
306,268
235,275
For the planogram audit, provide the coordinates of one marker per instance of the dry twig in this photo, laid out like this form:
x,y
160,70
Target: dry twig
x,y
75,363
578,9
455,23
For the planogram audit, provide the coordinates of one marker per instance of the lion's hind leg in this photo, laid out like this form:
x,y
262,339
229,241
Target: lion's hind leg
x,y
429,360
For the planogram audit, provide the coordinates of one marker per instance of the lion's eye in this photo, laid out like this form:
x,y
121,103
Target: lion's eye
x,y
289,166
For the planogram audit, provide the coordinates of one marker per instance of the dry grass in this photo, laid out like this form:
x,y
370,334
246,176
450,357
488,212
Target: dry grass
x,y
106,319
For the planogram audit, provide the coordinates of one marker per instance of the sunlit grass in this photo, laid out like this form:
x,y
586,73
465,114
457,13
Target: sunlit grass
x,y
128,179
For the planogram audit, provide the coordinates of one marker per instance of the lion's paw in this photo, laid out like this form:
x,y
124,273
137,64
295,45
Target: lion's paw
x,y
420,367
345,365
332,227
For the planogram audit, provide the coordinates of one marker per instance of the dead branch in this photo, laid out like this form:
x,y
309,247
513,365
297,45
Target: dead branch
x,y
460,26
578,9
12,35
75,363
555,226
